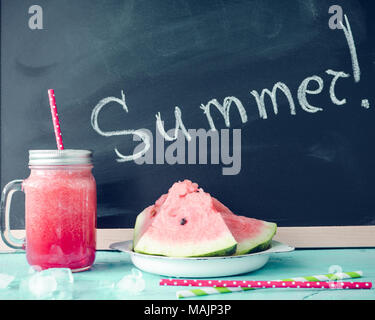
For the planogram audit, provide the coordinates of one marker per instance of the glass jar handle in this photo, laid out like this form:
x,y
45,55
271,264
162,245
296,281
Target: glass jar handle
x,y
6,198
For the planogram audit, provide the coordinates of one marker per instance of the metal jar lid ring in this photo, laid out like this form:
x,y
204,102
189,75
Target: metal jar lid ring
x,y
59,157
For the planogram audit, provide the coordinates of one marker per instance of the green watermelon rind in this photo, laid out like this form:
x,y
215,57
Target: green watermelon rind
x,y
222,246
260,243
223,252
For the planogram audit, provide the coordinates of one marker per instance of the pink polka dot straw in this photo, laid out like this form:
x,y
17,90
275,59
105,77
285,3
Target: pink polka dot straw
x,y
266,284
320,281
55,119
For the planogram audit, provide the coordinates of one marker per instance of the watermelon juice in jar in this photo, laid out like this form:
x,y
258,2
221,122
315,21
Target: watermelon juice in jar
x,y
60,209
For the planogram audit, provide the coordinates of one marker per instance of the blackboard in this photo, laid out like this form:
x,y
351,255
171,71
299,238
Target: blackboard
x,y
313,167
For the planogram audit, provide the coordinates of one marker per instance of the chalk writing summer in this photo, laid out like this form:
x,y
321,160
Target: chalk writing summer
x,y
231,161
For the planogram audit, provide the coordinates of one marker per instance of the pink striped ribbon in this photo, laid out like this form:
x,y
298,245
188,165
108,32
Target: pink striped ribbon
x,y
266,284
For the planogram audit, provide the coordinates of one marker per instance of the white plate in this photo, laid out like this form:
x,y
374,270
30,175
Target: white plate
x,y
200,266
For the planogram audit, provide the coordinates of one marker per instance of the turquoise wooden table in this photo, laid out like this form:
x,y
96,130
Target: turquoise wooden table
x,y
111,266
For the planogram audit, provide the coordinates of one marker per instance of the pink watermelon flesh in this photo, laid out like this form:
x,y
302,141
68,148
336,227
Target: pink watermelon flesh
x,y
183,223
188,222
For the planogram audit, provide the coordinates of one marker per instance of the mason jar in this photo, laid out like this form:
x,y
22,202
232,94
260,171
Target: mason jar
x,y
60,210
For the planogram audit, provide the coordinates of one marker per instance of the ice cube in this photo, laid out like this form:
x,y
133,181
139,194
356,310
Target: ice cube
x,y
53,283
132,283
5,280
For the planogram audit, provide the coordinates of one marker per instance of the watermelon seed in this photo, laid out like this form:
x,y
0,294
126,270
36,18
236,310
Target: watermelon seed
x,y
183,221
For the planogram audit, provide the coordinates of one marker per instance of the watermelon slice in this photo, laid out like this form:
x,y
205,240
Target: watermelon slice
x,y
252,235
183,223
188,222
